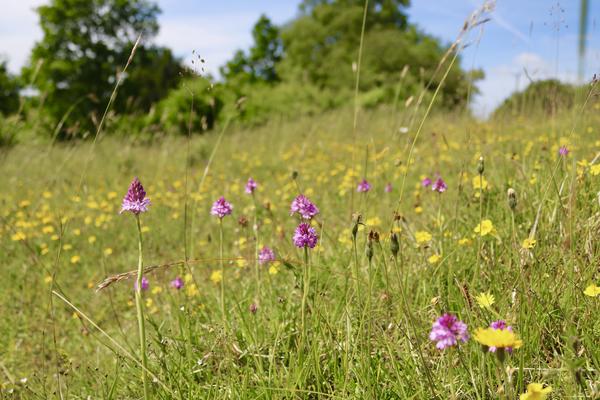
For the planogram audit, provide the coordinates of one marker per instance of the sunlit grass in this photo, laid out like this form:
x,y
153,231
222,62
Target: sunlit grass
x,y
465,251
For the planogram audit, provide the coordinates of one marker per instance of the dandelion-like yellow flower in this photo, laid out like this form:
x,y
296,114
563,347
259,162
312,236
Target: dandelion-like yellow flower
x,y
422,237
536,391
484,228
592,290
483,185
434,259
216,277
485,300
464,242
528,243
75,259
595,169
498,338
18,237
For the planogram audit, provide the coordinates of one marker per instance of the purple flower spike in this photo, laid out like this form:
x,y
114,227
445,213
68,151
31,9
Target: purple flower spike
x,y
439,186
500,325
177,283
251,186
303,206
305,236
563,151
363,186
221,208
447,330
388,188
266,255
145,284
426,182
135,200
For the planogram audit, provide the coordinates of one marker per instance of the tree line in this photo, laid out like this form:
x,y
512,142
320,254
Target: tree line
x,y
305,66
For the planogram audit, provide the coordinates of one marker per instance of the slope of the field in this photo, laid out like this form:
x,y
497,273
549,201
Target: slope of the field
x,y
366,326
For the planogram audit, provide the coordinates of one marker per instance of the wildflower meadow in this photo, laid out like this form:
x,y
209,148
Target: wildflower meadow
x,y
392,252
466,267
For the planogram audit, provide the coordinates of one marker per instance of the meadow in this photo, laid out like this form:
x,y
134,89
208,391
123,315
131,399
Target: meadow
x,y
510,235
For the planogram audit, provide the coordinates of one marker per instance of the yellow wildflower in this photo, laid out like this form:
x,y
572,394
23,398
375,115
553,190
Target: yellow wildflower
x,y
536,391
75,259
422,237
434,259
485,300
592,290
498,338
216,277
528,243
484,228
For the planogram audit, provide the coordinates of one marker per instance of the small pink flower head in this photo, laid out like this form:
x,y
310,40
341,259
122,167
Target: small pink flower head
x,y
266,255
563,151
447,330
388,188
426,182
305,236
251,186
304,207
439,186
145,284
253,308
135,200
221,208
364,186
500,325
177,283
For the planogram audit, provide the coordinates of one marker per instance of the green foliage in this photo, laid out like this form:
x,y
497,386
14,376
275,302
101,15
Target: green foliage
x,y
318,51
84,43
196,96
153,72
9,90
259,64
546,97
367,323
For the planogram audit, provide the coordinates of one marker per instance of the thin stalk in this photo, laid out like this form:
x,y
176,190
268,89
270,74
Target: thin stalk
x,y
256,245
139,304
222,269
411,320
305,283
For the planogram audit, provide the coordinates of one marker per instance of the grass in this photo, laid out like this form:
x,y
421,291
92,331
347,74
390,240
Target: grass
x,y
366,323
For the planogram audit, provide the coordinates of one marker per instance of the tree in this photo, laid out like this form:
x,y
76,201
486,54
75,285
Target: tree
x,y
154,71
259,64
9,91
321,48
84,45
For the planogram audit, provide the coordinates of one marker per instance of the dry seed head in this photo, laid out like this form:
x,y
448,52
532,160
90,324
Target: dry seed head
x,y
512,198
480,166
394,244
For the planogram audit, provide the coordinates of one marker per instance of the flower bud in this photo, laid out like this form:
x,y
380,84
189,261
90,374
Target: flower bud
x,y
480,166
357,220
512,198
394,244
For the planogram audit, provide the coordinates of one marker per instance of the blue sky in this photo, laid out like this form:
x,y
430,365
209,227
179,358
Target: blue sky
x,y
526,39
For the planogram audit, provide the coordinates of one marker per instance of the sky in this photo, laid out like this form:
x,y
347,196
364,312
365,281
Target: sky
x,y
524,40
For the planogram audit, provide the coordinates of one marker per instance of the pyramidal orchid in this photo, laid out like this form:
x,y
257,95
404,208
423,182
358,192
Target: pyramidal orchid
x,y
136,202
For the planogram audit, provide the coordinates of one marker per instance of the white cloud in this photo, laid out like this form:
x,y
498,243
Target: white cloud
x,y
18,30
501,80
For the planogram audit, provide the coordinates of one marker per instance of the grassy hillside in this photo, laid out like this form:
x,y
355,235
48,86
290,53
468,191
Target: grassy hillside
x,y
366,322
